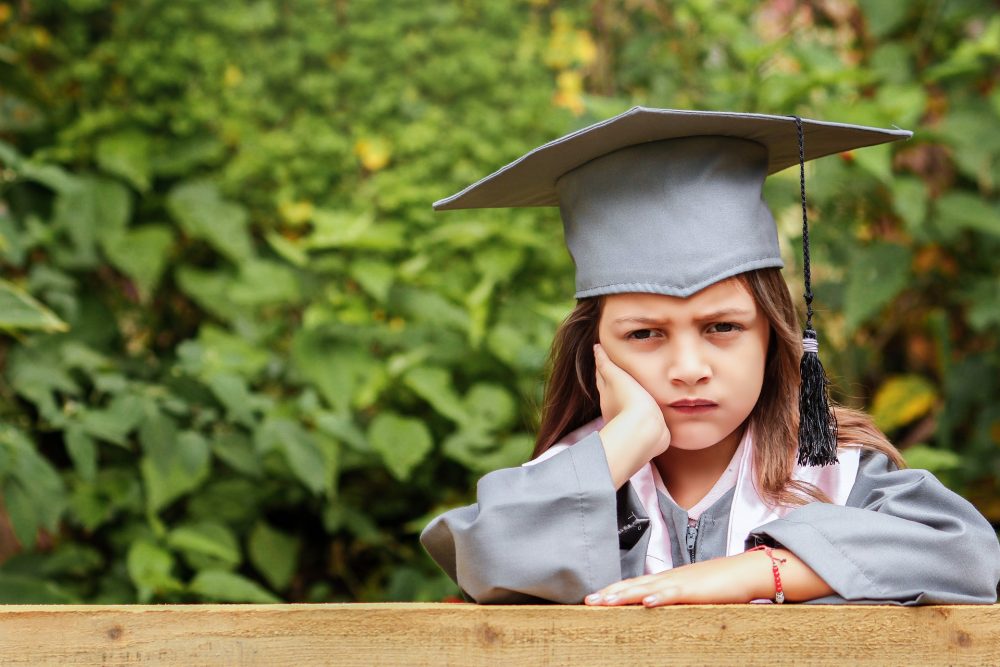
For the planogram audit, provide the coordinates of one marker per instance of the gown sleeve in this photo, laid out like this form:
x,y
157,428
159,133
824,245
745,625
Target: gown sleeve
x,y
902,538
540,533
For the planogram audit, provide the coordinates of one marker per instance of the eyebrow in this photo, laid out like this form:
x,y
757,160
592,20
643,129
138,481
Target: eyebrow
x,y
714,315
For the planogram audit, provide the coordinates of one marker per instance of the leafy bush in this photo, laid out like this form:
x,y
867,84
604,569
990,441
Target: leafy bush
x,y
278,363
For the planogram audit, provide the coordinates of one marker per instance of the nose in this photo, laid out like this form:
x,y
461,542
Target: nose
x,y
688,364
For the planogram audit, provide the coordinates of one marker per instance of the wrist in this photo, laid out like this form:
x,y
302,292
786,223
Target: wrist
x,y
767,581
759,578
642,428
625,439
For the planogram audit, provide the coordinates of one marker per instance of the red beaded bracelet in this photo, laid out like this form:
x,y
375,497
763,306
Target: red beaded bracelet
x,y
779,593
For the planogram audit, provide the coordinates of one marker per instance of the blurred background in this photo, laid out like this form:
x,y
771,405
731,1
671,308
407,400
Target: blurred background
x,y
243,360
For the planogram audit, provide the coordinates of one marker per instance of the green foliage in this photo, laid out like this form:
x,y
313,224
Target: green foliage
x,y
245,359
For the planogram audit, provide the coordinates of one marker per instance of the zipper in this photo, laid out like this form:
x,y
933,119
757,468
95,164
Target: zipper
x,y
691,538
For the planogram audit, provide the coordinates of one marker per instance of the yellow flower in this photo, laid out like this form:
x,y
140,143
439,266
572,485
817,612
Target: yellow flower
x,y
569,91
233,76
296,213
374,153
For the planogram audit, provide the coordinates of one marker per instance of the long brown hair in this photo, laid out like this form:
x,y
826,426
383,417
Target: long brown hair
x,y
571,399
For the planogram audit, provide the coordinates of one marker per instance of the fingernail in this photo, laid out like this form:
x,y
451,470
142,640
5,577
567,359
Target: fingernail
x,y
650,599
596,597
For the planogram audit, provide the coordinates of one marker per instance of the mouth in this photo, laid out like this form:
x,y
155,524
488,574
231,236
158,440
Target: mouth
x,y
692,406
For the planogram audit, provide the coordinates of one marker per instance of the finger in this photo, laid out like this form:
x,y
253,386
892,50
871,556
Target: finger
x,y
631,582
599,377
632,595
665,595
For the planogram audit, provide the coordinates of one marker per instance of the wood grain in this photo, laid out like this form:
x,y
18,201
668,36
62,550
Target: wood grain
x,y
464,634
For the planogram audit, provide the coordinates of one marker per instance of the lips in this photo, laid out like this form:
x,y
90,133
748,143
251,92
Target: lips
x,y
693,406
693,403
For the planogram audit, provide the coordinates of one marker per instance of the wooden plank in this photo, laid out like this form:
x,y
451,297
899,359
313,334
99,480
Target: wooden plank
x,y
463,634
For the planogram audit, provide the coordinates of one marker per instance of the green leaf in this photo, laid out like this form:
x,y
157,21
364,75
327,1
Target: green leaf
x,y
301,450
150,569
52,176
210,290
33,491
218,352
223,586
23,518
883,17
482,452
115,491
909,198
877,273
186,467
204,214
339,372
141,254
158,436
901,400
37,374
94,209
126,154
876,160
336,229
238,452
375,277
181,156
115,422
402,442
19,311
207,539
261,282
231,390
937,461
434,385
962,210
343,429
274,553
83,452
21,589
983,301
489,407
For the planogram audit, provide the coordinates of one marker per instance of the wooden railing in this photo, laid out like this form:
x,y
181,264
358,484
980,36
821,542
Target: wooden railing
x,y
465,634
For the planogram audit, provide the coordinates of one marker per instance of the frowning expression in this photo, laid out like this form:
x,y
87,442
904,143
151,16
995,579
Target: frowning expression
x,y
701,358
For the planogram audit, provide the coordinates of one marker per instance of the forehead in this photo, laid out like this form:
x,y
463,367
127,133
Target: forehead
x,y
730,294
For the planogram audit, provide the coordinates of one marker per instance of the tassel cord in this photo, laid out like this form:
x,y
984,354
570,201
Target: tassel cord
x,y
817,422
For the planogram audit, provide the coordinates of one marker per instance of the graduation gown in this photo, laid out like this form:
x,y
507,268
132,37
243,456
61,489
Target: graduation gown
x,y
558,530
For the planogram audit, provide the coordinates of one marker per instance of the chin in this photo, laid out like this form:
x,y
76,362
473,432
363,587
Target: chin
x,y
693,437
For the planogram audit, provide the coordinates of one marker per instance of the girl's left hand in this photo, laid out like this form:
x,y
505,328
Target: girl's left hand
x,y
734,579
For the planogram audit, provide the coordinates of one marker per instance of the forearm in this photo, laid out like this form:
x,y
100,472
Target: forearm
x,y
731,580
623,439
798,581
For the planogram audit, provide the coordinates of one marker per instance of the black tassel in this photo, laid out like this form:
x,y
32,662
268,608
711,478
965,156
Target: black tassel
x,y
817,422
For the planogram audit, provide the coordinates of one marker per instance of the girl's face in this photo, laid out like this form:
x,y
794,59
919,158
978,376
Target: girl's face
x,y
701,358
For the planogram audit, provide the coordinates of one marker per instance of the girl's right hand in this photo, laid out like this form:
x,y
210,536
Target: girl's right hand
x,y
634,430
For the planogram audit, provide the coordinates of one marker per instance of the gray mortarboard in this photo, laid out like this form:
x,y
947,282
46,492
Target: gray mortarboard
x,y
669,202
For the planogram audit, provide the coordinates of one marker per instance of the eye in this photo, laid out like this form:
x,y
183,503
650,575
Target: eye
x,y
641,334
724,327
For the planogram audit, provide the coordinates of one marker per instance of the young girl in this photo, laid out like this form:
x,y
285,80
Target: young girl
x,y
665,468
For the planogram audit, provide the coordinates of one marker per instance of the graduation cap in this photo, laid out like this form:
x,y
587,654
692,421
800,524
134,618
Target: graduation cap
x,y
668,201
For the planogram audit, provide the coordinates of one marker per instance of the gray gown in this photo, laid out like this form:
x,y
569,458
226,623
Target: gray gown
x,y
557,531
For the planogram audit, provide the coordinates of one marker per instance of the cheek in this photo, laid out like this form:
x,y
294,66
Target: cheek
x,y
640,366
751,365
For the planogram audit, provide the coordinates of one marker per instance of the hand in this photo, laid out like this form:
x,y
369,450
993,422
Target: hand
x,y
628,409
620,392
734,579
